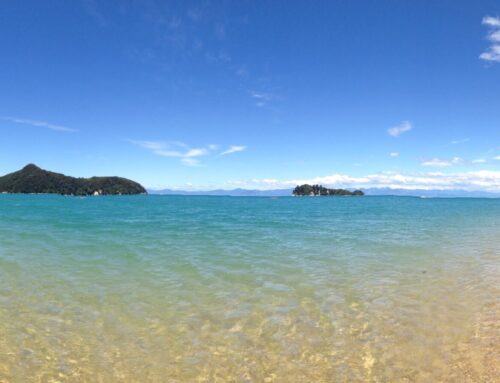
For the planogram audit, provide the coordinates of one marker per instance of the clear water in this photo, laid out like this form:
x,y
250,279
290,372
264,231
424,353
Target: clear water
x,y
220,289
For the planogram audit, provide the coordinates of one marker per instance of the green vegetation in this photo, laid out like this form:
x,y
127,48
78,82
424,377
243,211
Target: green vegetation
x,y
318,190
32,179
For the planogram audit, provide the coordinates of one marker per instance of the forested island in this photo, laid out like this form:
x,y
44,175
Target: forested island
x,y
32,179
319,190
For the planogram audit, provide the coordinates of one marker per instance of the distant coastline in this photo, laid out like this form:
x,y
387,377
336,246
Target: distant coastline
x,y
34,180
239,192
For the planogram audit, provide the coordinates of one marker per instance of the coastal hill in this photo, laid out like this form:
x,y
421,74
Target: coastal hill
x,y
318,190
32,179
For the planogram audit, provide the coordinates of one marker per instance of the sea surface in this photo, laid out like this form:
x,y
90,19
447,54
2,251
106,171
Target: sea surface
x,y
221,289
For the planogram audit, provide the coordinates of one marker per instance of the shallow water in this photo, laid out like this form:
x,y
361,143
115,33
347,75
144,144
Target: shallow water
x,y
221,289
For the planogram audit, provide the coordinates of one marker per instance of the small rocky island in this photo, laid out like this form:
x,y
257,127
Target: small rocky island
x,y
318,190
32,179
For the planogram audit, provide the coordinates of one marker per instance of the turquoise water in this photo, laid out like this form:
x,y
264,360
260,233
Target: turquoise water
x,y
216,289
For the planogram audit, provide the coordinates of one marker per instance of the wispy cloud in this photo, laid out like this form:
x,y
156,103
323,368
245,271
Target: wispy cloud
x,y
39,124
463,140
188,161
220,31
478,161
394,154
261,98
242,71
493,52
497,158
217,58
187,155
195,14
197,152
442,163
233,149
475,180
396,131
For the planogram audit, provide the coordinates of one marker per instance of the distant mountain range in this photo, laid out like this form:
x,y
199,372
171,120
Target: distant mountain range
x,y
223,192
369,191
32,179
431,193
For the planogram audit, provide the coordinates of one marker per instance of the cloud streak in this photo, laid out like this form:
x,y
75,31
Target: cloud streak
x,y
233,149
398,130
187,156
442,163
463,140
261,98
40,124
493,52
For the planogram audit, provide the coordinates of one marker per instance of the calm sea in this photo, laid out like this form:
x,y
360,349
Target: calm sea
x,y
221,289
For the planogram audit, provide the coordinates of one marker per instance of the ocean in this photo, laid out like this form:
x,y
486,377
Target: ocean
x,y
249,289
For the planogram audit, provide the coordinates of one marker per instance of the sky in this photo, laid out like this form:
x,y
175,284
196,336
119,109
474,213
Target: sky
x,y
200,95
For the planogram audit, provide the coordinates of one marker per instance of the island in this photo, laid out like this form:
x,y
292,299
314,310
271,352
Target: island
x,y
32,179
319,190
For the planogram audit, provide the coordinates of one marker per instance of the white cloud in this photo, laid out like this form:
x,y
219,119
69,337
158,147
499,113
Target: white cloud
x,y
187,156
233,149
493,52
40,124
153,145
463,140
190,161
497,158
242,71
396,131
221,57
168,153
479,161
475,180
492,55
197,152
195,14
491,21
262,98
494,36
220,31
442,163
394,154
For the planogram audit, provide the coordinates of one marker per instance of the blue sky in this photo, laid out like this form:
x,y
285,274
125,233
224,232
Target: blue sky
x,y
254,94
